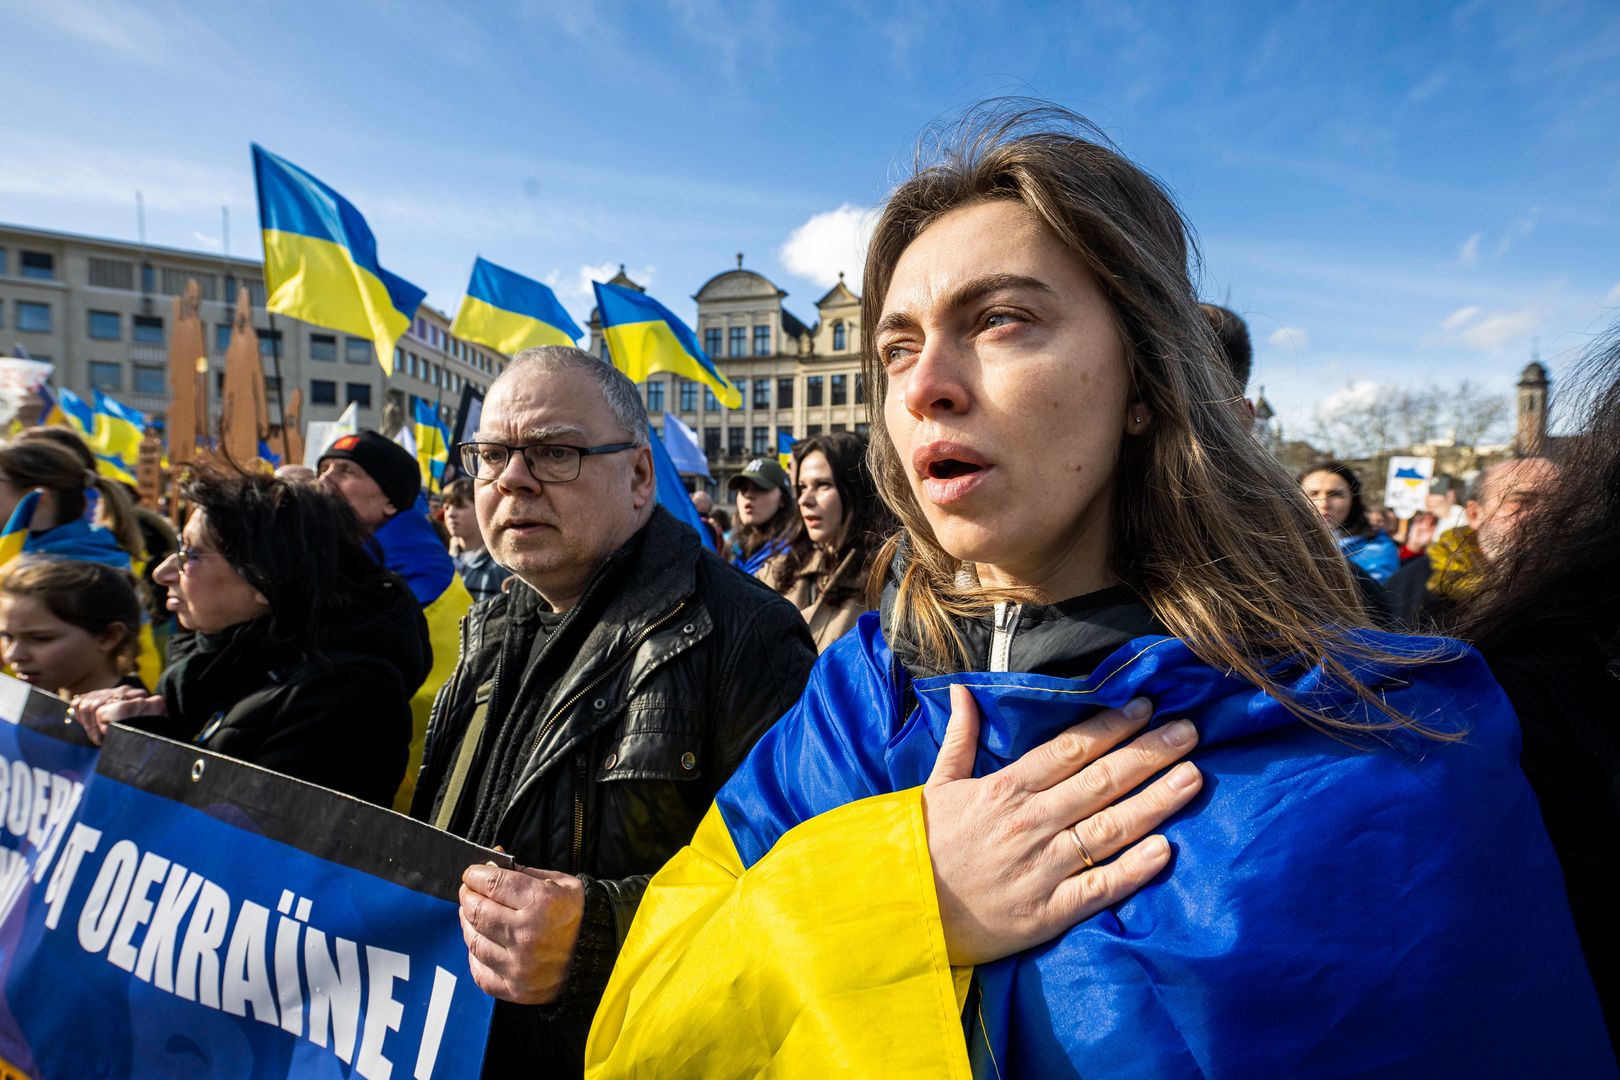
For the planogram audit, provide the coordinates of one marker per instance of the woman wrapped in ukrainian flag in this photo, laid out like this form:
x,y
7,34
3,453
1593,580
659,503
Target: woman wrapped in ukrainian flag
x,y
933,867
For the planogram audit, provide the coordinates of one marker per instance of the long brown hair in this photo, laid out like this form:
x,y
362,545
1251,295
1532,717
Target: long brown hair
x,y
867,520
41,461
1208,529
89,595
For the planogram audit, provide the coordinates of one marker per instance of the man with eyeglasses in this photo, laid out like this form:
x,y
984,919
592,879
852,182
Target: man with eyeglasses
x,y
598,705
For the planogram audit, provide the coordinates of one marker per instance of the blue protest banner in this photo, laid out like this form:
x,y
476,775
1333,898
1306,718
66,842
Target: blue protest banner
x,y
198,916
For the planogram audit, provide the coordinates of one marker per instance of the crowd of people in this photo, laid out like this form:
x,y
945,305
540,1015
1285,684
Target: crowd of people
x,y
1053,729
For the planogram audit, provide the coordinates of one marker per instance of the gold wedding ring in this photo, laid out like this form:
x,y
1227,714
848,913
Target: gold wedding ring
x,y
1080,845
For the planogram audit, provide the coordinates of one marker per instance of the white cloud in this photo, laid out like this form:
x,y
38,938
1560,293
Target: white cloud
x,y
577,289
1468,254
1612,297
1359,393
1501,328
830,243
1290,337
1461,316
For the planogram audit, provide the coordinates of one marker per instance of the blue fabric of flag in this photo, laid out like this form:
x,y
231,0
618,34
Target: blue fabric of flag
x,y
414,551
672,494
1384,906
511,291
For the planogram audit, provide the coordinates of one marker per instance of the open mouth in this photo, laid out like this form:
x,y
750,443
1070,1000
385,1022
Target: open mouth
x,y
950,469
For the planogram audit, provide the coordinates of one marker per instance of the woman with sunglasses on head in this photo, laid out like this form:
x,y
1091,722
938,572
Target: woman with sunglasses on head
x,y
845,523
300,653
938,863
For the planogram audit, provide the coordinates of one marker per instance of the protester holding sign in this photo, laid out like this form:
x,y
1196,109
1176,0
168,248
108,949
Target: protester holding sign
x,y
69,627
906,877
301,657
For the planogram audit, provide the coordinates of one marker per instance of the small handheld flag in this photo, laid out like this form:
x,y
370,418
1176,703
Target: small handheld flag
x,y
509,312
784,451
15,534
320,259
644,337
432,446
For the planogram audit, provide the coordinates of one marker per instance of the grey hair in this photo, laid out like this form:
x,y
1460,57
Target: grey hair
x,y
620,394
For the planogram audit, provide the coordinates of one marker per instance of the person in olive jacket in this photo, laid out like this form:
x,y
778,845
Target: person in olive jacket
x,y
299,653
597,707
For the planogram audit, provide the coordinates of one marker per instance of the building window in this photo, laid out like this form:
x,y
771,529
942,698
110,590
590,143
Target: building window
x,y
762,393
2,260
734,441
739,341
840,337
39,265
323,347
106,376
762,341
840,427
35,318
762,440
146,329
106,326
655,395
357,350
784,393
742,392
269,344
860,388
863,429
812,390
149,379
360,394
711,441
710,402
107,274
222,336
812,431
322,392
689,389
711,341
840,389
148,279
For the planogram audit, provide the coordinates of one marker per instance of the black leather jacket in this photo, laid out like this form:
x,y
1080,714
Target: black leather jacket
x,y
680,663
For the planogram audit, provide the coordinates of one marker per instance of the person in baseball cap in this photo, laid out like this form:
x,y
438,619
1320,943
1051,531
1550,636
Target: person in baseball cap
x,y
768,518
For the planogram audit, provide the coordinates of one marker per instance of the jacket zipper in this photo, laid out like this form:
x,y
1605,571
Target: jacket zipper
x,y
1006,619
579,813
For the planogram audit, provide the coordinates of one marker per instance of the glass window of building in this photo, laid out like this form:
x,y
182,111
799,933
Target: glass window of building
x,y
840,427
655,395
840,389
106,325
711,341
322,392
106,273
149,279
711,441
357,350
762,341
710,402
734,441
3,263
812,390
35,318
222,336
762,440
762,393
39,265
150,379
739,341
689,389
360,394
105,375
146,329
840,337
863,428
784,392
323,347
812,431
269,344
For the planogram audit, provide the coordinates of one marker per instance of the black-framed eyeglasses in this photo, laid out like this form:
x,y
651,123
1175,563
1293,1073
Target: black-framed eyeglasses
x,y
549,463
187,555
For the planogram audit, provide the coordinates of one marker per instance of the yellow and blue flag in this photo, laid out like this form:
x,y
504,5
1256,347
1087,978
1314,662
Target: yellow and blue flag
x,y
15,534
105,427
784,451
644,336
509,312
320,259
432,446
50,410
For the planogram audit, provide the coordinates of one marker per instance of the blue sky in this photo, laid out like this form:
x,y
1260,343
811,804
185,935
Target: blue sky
x,y
1389,192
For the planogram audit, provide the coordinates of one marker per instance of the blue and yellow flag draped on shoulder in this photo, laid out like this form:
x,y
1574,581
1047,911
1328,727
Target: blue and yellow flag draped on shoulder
x,y
432,446
15,532
644,337
1389,909
509,312
320,259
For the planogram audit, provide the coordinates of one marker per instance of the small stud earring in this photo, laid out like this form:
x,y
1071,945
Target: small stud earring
x,y
1139,420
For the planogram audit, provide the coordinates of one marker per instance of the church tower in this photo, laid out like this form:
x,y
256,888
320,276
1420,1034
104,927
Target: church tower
x,y
1532,427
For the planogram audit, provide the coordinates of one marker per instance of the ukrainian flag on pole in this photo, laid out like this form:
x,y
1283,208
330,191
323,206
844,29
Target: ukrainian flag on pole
x,y
320,259
105,427
432,446
644,337
50,410
509,312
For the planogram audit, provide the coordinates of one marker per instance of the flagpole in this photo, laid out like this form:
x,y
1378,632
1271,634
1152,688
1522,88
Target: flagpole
x,y
275,355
